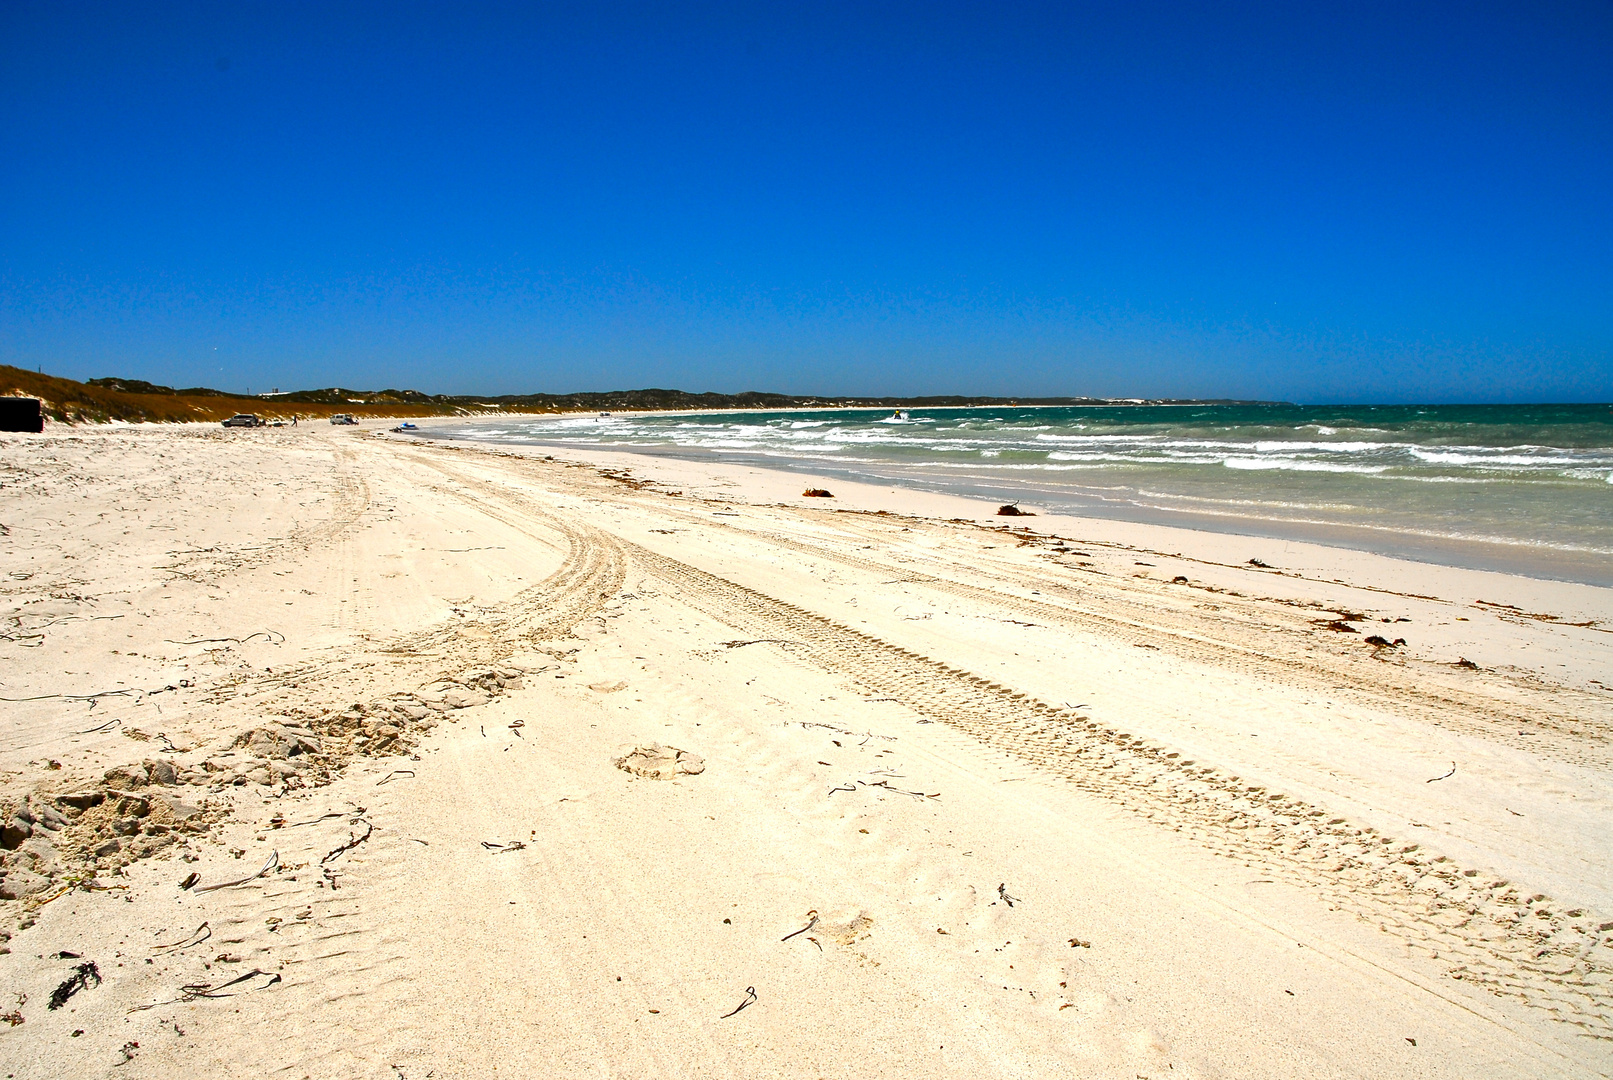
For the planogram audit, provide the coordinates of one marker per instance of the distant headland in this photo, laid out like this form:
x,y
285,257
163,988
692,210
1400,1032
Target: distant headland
x,y
137,401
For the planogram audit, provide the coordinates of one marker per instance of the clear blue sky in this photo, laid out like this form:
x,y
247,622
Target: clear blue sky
x,y
1307,202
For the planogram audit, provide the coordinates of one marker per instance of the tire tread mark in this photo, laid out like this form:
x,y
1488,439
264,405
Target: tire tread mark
x,y
1581,741
1480,929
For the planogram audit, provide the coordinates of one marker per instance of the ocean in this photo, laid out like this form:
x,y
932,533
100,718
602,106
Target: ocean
x,y
1522,488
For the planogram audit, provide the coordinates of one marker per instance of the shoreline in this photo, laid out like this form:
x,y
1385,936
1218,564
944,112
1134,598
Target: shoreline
x,y
1569,565
1307,566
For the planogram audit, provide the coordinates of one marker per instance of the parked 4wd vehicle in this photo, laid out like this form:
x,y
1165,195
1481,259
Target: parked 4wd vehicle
x,y
343,418
244,419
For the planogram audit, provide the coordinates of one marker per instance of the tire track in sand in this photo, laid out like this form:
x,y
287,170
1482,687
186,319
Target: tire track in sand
x,y
591,572
1581,739
1483,931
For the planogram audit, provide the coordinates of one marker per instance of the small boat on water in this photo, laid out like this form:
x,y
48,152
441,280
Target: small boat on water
x,y
406,426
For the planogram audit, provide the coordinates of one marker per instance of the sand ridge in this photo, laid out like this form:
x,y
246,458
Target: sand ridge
x,y
1048,798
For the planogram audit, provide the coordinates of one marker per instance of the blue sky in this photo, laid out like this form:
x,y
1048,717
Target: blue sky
x,y
1304,202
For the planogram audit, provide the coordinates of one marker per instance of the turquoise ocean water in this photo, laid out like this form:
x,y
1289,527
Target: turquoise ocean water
x,y
1527,488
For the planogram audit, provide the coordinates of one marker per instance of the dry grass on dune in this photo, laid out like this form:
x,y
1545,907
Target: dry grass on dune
x,y
70,401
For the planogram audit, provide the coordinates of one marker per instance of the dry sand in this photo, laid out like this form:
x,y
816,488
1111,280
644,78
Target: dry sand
x,y
923,791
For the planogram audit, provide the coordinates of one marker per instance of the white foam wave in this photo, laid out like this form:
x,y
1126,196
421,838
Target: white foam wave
x,y
1547,457
1108,438
1282,447
1096,457
1290,465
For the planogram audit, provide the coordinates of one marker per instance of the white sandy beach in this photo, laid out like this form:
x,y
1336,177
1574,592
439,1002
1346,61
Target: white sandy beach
x,y
961,795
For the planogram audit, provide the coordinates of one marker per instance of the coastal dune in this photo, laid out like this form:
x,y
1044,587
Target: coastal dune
x,y
930,791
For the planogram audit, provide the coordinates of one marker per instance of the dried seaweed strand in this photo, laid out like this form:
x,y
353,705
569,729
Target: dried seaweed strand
x,y
353,841
186,943
750,999
273,861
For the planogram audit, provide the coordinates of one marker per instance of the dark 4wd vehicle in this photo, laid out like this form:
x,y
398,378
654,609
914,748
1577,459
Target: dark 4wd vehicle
x,y
244,419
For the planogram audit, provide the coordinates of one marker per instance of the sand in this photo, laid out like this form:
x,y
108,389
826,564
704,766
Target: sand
x,y
340,753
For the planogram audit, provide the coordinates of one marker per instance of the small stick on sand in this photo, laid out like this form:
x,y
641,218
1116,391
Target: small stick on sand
x,y
750,999
203,990
352,842
844,731
196,937
1451,773
268,635
900,791
273,861
91,698
813,916
317,820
